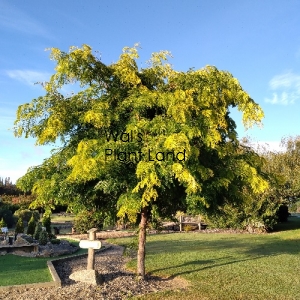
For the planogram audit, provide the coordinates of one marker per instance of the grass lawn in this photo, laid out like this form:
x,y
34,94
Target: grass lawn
x,y
23,270
57,218
227,266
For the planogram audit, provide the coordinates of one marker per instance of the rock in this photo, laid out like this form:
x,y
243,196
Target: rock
x,y
46,253
48,250
5,242
64,247
87,276
21,241
28,238
3,252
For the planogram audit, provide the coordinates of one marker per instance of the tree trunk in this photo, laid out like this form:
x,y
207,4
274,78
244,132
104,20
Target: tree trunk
x,y
142,242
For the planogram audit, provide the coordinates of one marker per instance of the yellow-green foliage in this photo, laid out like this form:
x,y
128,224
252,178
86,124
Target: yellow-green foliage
x,y
2,223
178,121
188,227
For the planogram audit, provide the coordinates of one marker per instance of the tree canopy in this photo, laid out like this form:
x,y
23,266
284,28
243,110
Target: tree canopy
x,y
134,138
285,167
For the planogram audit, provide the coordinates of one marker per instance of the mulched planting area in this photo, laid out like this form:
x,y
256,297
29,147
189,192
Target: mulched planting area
x,y
118,283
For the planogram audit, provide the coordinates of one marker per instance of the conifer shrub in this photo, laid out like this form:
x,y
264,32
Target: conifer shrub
x,y
43,238
19,226
2,223
31,226
37,231
46,221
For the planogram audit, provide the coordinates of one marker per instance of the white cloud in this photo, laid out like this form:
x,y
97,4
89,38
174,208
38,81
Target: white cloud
x,y
286,89
19,155
265,146
17,20
269,146
28,77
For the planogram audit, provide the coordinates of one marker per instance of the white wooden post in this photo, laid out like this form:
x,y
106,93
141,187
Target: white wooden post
x,y
180,223
91,251
91,244
199,224
90,275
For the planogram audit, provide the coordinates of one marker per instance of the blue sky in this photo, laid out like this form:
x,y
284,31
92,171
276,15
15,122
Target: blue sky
x,y
257,41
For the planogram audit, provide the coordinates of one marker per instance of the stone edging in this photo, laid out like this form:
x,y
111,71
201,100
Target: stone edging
x,y
56,280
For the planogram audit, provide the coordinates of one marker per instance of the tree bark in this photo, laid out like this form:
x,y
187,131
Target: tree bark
x,y
142,242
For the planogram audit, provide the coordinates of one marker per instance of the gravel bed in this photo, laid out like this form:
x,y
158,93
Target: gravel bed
x,y
118,283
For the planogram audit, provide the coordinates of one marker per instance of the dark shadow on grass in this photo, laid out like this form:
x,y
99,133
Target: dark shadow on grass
x,y
194,263
262,246
265,245
293,223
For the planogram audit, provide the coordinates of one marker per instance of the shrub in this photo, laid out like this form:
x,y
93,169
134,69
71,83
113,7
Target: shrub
x,y
7,216
294,206
6,204
188,227
37,231
26,214
55,241
86,220
20,226
46,221
156,224
31,226
43,237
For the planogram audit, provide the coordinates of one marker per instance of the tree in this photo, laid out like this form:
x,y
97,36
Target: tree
x,y
238,204
285,165
131,136
7,187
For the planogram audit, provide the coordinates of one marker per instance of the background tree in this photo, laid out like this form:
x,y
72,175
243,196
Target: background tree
x,y
131,136
7,187
285,165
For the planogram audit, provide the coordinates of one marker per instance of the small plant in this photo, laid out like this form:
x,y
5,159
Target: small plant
x,y
37,231
46,221
55,241
19,227
31,226
43,237
2,223
188,227
132,247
